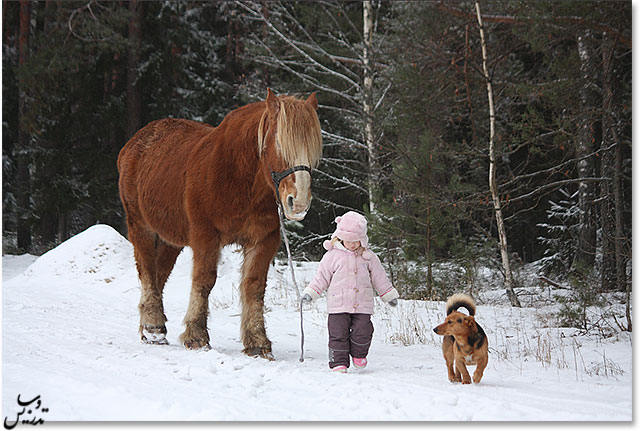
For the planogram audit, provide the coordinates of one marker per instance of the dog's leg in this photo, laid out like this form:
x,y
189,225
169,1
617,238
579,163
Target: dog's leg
x,y
452,374
482,364
466,378
449,357
458,377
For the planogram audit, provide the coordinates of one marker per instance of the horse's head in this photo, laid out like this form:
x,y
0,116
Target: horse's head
x,y
290,145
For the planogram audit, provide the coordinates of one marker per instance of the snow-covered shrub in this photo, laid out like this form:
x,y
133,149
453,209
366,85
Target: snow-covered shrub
x,y
561,234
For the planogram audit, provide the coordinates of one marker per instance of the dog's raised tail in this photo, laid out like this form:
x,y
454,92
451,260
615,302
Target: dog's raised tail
x,y
458,300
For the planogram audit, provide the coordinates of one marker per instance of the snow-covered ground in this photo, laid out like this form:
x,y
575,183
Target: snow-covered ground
x,y
69,334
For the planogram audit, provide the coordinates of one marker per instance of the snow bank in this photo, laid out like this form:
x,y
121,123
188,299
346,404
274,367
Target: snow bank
x,y
97,255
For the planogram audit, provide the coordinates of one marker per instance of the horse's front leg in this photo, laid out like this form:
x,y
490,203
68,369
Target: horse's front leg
x,y
254,280
205,272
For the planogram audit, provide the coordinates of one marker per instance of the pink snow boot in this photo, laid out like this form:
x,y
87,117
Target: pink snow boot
x,y
359,362
339,369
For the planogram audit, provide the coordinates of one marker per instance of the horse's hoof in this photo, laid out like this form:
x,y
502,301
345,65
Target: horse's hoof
x,y
161,341
154,334
197,345
195,338
255,352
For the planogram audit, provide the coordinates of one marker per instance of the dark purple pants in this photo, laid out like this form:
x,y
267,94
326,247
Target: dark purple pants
x,y
349,334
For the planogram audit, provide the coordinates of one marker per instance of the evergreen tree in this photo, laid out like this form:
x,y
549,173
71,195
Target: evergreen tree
x,y
77,83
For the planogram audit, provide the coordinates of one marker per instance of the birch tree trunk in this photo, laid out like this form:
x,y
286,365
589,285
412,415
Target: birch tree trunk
x,y
367,99
508,276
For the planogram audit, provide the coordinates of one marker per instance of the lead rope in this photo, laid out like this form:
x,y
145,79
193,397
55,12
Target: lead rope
x,y
293,277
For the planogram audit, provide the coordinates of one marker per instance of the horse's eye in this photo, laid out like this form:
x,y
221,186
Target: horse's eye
x,y
459,320
449,322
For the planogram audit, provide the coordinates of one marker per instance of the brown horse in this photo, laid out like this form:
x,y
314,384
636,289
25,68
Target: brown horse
x,y
184,183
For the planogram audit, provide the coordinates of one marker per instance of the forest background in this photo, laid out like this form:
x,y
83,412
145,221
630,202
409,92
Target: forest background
x,y
404,112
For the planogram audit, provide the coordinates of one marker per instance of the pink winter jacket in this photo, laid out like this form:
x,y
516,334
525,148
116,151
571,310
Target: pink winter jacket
x,y
349,278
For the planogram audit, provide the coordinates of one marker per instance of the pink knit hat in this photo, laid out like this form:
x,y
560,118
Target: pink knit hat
x,y
352,227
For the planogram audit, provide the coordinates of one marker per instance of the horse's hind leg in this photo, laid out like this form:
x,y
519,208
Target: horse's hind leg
x,y
154,260
254,280
166,256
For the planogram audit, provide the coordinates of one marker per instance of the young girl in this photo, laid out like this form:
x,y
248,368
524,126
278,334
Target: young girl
x,y
349,271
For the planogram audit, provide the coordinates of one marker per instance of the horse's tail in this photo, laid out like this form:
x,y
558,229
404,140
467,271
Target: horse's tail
x,y
461,300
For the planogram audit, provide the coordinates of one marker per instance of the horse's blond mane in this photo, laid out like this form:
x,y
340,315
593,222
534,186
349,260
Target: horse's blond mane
x,y
299,137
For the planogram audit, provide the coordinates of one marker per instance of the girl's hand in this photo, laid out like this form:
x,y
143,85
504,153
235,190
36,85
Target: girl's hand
x,y
306,298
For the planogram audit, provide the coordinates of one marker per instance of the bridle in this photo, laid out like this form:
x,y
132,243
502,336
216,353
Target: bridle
x,y
277,177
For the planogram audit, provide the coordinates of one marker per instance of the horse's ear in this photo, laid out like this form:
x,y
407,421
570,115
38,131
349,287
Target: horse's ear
x,y
272,102
311,100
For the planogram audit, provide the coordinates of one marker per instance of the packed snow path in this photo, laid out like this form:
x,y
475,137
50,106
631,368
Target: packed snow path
x,y
70,324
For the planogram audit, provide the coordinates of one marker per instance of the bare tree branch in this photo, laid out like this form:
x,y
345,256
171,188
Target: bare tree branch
x,y
506,19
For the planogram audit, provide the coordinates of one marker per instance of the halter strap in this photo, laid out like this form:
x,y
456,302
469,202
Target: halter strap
x,y
279,176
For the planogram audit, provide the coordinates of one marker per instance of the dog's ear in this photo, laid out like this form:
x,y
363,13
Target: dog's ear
x,y
469,321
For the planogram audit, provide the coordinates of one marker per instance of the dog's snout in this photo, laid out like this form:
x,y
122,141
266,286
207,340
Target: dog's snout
x,y
435,329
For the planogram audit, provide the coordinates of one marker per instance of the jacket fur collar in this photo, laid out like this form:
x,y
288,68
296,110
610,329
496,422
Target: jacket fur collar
x,y
365,253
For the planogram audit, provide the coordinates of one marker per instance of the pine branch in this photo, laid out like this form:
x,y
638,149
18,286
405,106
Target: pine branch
x,y
548,186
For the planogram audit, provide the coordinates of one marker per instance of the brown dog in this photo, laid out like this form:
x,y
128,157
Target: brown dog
x,y
464,340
